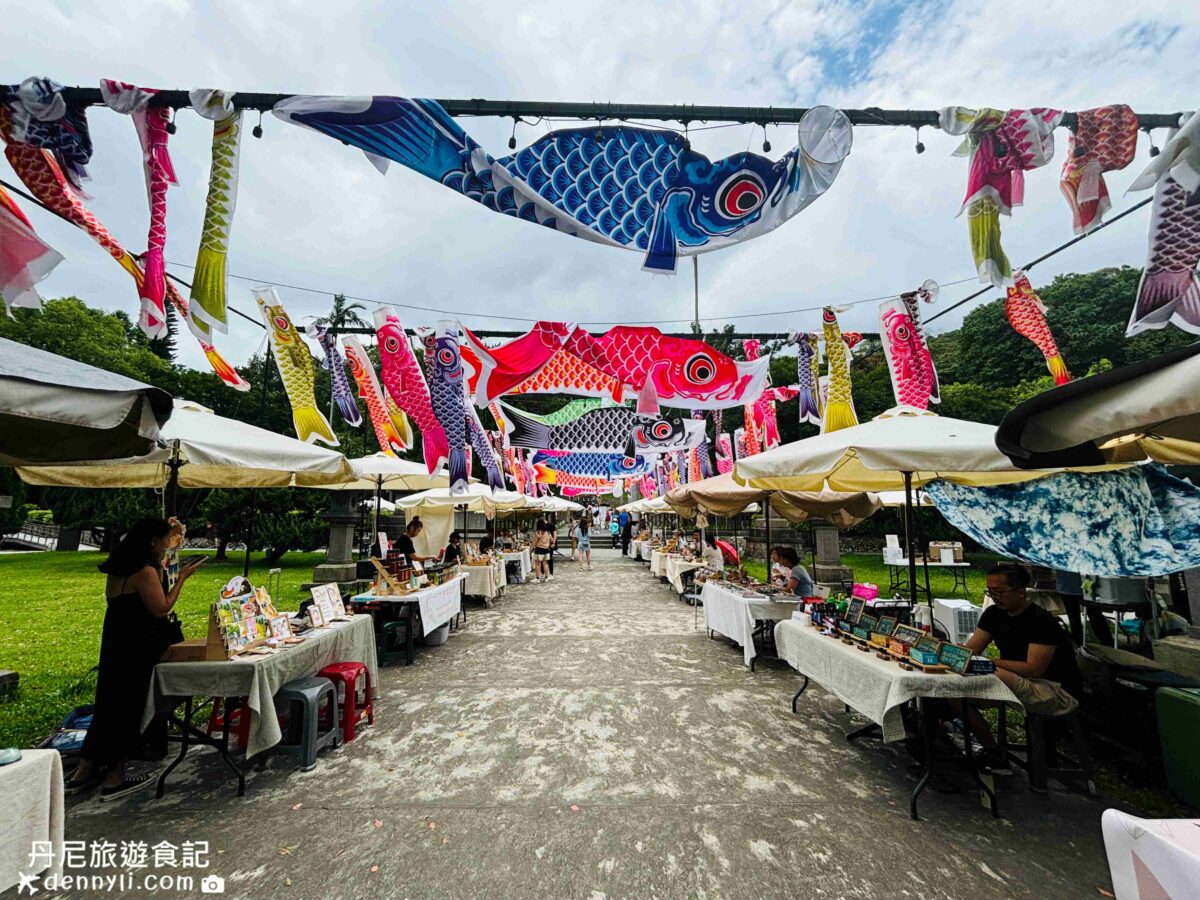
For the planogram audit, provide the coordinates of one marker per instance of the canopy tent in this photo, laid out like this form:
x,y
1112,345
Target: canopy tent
x,y
56,410
380,470
437,506
902,448
1148,409
722,496
561,504
204,450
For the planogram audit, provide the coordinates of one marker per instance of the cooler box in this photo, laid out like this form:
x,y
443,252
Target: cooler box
x,y
1178,726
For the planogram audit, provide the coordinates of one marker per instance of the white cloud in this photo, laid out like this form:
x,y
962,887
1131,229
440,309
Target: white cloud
x,y
315,213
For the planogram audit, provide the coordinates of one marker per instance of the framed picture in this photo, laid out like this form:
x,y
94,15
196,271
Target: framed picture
x,y
929,644
907,634
868,622
316,616
281,627
956,657
855,610
887,624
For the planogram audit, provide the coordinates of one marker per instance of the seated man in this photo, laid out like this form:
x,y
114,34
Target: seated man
x,y
799,582
1037,660
453,552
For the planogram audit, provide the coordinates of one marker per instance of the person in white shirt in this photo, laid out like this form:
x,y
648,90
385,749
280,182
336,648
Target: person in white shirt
x,y
714,559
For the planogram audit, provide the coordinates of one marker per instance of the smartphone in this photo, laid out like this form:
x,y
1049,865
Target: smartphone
x,y
191,560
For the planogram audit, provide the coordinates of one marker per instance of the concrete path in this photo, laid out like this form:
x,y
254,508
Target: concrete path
x,y
581,739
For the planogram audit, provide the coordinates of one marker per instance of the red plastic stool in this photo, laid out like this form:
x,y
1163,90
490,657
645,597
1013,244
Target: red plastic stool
x,y
347,674
222,719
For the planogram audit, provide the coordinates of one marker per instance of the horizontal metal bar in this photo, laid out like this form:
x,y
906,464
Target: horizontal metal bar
x,y
684,113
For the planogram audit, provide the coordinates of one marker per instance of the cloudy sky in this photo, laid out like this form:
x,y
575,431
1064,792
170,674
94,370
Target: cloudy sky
x,y
315,214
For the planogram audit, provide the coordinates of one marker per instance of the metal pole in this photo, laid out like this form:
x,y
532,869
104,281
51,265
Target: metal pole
x,y
593,111
696,292
910,545
171,494
767,519
262,411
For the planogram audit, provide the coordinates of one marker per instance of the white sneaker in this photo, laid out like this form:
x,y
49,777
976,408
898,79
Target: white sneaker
x,y
549,577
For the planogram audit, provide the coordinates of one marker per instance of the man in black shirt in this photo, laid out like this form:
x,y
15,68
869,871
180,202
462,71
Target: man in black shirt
x,y
453,552
1037,658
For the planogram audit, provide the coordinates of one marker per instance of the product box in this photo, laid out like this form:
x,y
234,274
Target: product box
x,y
195,650
936,547
924,657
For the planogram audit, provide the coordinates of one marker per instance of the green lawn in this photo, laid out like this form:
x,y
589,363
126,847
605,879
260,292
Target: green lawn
x,y
51,611
869,567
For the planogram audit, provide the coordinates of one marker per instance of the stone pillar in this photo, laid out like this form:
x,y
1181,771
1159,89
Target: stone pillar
x,y
339,562
828,569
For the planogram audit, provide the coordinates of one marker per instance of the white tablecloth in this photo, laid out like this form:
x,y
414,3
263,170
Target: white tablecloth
x,y
1152,857
524,557
676,567
639,549
874,687
438,604
32,792
658,563
484,581
727,612
259,678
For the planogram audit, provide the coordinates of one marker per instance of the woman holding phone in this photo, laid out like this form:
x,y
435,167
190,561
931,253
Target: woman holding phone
x,y
131,644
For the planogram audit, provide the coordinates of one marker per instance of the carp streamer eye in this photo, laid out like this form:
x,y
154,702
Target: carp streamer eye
x,y
740,195
281,323
446,357
700,369
628,462
391,343
828,315
902,332
661,430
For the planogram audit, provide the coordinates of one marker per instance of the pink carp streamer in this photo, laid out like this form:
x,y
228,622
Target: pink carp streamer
x,y
151,124
1027,315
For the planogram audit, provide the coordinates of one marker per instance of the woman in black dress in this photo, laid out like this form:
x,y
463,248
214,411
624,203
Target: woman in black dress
x,y
130,646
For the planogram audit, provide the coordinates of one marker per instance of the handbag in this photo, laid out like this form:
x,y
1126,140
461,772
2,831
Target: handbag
x,y
168,631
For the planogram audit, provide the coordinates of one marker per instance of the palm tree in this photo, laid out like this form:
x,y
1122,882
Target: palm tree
x,y
344,314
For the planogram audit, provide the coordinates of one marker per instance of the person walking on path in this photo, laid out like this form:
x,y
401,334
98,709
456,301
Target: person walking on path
x,y
582,535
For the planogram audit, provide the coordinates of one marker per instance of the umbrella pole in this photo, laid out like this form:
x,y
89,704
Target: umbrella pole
x,y
375,524
262,411
767,519
171,495
910,546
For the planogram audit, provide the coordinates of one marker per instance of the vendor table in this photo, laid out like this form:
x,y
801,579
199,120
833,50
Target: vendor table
x,y
898,575
658,563
1151,857
728,613
523,556
639,550
437,605
32,789
877,688
677,566
258,679
484,581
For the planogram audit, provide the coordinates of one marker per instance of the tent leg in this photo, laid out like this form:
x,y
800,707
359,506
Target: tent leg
x,y
171,495
250,531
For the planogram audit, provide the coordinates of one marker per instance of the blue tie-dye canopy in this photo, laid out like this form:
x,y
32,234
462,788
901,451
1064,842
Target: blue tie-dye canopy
x,y
1131,522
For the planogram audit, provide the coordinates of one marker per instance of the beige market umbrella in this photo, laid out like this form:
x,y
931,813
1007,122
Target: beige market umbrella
x,y
382,470
204,450
722,496
1150,409
900,449
56,410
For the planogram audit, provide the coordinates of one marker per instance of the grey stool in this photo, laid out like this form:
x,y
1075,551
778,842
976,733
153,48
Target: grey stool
x,y
1040,756
304,737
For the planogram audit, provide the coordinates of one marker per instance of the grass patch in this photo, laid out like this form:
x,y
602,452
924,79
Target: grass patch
x,y
869,567
51,613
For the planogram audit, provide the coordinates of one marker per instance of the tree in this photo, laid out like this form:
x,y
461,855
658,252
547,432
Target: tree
x,y
344,314
284,519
